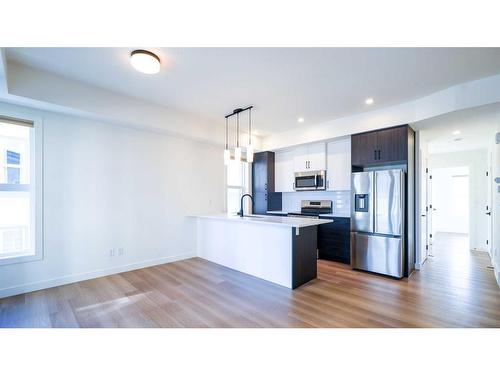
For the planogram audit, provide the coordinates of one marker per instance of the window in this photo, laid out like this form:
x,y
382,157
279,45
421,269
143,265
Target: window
x,y
19,230
237,177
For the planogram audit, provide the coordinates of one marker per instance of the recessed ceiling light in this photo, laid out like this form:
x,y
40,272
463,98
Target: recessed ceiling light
x,y
145,62
456,132
300,119
369,101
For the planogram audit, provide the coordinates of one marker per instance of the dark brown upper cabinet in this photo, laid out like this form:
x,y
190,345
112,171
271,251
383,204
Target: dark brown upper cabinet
x,y
385,146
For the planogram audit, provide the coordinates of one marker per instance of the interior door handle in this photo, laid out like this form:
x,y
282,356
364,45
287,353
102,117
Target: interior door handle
x,y
488,213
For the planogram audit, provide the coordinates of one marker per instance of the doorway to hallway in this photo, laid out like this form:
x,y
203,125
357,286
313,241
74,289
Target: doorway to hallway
x,y
450,206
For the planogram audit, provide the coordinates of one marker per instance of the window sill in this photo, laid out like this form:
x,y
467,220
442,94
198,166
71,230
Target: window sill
x,y
19,258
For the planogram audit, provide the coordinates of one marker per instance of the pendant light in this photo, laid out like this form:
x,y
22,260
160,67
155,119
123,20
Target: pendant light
x,y
237,150
250,147
227,152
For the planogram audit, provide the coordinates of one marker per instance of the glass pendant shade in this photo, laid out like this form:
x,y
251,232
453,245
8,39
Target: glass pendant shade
x,y
250,154
227,156
237,154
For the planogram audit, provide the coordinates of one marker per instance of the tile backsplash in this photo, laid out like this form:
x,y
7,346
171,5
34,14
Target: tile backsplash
x,y
341,200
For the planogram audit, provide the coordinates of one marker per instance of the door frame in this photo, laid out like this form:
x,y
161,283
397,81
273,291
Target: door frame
x,y
418,200
422,171
419,196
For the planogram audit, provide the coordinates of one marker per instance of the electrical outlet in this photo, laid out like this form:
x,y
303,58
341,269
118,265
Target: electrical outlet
x,y
111,252
121,251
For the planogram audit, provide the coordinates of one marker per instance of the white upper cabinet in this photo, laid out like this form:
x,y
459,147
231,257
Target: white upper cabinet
x,y
309,157
317,156
300,158
284,171
338,172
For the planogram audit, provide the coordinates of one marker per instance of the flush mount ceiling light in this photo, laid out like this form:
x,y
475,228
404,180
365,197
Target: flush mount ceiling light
x,y
369,101
145,62
300,119
456,132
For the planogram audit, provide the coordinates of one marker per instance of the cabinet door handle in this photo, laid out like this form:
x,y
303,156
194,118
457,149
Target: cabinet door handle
x,y
378,154
375,154
327,184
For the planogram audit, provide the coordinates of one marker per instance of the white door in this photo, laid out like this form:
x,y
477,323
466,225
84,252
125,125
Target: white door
x,y
284,171
301,159
338,165
317,156
489,207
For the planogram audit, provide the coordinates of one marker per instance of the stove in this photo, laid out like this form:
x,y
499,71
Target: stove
x,y
313,208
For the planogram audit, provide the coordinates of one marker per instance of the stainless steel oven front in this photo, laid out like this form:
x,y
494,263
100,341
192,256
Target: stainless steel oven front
x,y
314,180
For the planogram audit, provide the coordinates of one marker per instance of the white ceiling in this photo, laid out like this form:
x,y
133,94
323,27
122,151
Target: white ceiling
x,y
319,84
477,128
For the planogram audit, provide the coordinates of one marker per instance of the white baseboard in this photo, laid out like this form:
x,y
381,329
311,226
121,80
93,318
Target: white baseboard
x,y
68,279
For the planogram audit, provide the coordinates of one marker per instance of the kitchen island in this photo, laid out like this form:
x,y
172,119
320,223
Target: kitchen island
x,y
282,250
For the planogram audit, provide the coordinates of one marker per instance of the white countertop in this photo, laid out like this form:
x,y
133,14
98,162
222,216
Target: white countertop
x,y
321,215
293,222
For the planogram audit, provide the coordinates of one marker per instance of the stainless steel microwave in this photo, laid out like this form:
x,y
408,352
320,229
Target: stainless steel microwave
x,y
311,180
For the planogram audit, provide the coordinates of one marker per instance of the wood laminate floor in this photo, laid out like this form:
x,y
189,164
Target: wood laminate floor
x,y
454,289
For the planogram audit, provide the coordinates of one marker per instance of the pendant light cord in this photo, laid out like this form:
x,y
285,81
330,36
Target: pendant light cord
x,y
226,133
250,126
237,130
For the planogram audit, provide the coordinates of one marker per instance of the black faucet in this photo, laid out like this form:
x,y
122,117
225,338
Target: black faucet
x,y
241,203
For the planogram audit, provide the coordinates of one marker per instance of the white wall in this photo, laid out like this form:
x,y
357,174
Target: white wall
x,y
477,161
107,186
450,190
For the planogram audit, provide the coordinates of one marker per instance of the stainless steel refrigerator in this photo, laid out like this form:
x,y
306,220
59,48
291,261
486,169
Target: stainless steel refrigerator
x,y
378,221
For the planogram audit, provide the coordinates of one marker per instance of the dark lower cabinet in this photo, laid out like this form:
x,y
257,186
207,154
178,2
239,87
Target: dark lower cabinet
x,y
304,262
334,240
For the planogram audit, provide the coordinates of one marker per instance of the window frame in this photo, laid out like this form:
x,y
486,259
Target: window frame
x,y
246,174
35,186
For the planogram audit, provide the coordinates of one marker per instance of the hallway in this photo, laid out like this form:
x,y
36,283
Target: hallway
x,y
462,278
